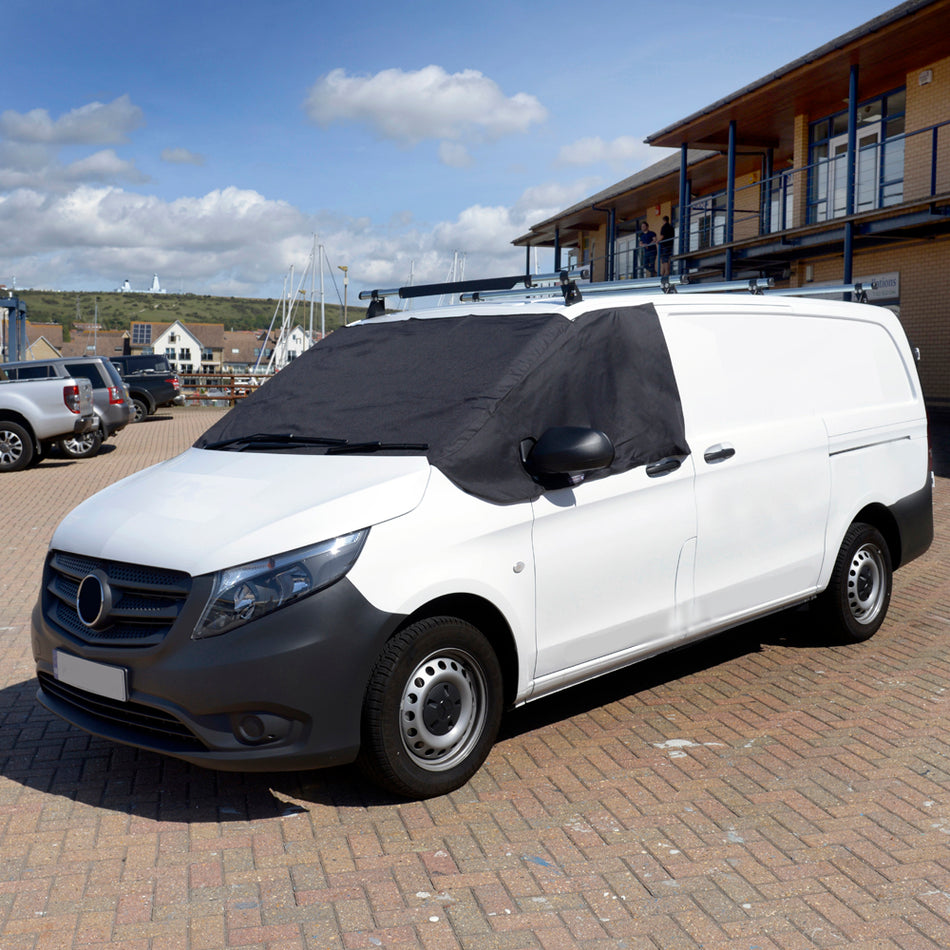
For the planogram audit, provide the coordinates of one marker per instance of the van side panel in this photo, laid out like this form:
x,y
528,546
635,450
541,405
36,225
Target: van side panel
x,y
760,448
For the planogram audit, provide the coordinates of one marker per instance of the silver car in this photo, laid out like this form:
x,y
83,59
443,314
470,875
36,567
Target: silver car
x,y
110,397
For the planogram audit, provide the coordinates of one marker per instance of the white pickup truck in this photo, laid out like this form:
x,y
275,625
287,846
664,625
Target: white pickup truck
x,y
34,413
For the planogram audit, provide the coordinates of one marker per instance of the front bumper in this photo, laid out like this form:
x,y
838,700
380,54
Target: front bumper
x,y
284,692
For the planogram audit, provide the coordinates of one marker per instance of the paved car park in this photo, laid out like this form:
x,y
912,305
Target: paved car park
x,y
759,790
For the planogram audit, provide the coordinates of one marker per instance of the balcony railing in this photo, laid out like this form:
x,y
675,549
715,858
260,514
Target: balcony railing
x,y
906,169
903,170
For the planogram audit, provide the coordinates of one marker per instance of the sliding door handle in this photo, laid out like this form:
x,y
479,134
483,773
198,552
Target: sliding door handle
x,y
719,453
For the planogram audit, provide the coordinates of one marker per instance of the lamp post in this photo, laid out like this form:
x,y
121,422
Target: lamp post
x,y
346,280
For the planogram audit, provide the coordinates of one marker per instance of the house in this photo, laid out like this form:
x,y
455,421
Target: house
x,y
190,348
833,169
91,341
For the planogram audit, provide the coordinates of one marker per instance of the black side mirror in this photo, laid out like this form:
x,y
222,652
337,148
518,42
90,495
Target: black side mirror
x,y
567,450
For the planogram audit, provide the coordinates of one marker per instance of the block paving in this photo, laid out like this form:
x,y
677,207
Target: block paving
x,y
763,790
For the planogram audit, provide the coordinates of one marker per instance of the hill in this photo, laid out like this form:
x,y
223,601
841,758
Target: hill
x,y
116,311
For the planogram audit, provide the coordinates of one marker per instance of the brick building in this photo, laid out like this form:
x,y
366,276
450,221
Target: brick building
x,y
834,168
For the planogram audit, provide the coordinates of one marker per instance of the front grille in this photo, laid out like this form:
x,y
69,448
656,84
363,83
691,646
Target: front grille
x,y
129,721
146,601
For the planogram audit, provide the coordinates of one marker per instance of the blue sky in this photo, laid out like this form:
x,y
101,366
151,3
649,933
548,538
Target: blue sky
x,y
208,141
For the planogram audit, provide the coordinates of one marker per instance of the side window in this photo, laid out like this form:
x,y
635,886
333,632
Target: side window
x,y
87,370
32,372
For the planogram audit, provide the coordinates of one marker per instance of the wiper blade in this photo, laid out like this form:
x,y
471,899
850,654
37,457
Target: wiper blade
x,y
270,440
378,447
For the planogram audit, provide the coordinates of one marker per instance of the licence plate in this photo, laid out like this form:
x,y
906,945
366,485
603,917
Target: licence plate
x,y
99,678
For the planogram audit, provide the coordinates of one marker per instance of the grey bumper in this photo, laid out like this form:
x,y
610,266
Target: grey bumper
x,y
284,692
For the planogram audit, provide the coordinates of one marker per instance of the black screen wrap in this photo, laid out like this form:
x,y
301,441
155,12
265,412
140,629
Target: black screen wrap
x,y
473,387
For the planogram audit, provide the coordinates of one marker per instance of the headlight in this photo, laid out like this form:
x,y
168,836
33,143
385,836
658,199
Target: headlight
x,y
251,591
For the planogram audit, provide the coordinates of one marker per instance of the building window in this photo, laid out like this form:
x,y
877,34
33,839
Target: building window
x,y
707,221
879,159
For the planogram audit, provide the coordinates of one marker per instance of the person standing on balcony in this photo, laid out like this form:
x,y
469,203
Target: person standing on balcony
x,y
646,240
667,233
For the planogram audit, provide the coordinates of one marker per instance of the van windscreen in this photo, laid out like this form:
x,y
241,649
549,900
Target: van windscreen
x,y
472,388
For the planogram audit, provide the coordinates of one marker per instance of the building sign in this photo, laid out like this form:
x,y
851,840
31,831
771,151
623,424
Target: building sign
x,y
888,287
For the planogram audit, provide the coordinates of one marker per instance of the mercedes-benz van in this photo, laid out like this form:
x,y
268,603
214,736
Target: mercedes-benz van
x,y
435,515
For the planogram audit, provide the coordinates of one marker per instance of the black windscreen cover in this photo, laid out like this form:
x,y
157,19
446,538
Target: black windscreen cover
x,y
473,387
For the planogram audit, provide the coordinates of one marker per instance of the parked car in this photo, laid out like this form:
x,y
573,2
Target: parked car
x,y
112,404
35,413
430,517
151,382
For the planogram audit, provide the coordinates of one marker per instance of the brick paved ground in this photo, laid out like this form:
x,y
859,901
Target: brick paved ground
x,y
759,791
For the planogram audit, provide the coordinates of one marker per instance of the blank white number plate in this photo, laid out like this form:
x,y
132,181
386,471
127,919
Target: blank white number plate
x,y
98,678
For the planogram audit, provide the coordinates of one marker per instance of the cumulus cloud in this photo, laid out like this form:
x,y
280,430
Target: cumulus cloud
x,y
182,156
623,152
92,124
104,166
429,103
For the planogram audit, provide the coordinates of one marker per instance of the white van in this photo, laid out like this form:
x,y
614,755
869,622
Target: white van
x,y
432,516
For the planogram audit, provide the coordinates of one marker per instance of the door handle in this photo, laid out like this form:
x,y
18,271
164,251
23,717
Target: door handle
x,y
719,453
664,467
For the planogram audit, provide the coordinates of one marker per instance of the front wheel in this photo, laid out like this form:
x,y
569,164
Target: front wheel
x,y
81,446
856,601
432,708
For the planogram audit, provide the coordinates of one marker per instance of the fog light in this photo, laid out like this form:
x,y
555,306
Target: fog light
x,y
259,728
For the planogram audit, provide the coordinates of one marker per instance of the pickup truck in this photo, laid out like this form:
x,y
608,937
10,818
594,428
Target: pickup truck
x,y
149,388
35,413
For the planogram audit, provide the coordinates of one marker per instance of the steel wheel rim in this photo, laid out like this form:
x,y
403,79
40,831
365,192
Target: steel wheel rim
x,y
442,711
866,587
11,447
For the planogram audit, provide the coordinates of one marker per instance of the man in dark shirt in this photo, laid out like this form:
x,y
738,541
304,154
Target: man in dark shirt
x,y
646,239
666,246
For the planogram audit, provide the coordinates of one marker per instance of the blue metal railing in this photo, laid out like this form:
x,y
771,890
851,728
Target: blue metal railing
x,y
902,169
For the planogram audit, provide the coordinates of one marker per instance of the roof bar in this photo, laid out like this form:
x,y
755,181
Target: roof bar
x,y
645,285
860,290
377,297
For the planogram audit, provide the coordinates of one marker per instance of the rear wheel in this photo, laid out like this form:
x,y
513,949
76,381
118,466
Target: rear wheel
x,y
81,446
856,601
432,708
16,447
139,410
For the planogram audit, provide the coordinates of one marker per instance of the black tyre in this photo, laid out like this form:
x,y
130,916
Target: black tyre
x,y
432,708
81,446
856,601
139,410
16,447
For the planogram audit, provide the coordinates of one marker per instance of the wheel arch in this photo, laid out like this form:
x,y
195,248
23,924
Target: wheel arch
x,y
487,618
10,415
143,396
880,517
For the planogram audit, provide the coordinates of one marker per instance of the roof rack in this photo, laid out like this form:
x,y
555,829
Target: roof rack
x,y
566,285
540,285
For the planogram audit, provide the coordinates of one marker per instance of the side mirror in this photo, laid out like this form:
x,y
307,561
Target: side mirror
x,y
568,450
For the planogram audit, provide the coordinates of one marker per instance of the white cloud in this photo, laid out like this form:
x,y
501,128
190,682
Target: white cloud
x,y
625,152
409,107
182,156
237,242
104,166
92,124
